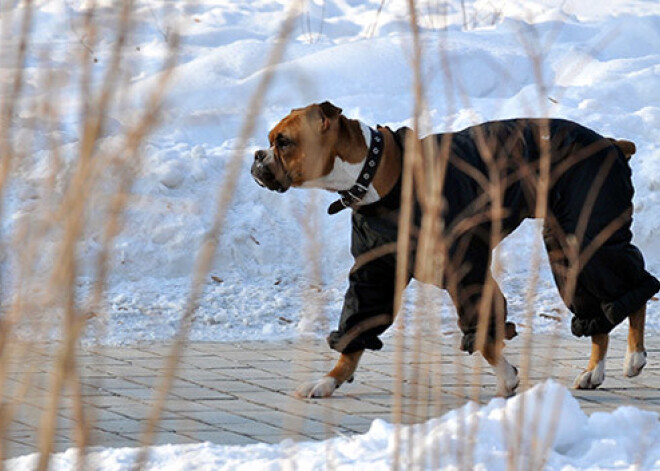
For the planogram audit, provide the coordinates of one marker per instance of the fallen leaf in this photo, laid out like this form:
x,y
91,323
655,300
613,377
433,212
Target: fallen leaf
x,y
217,279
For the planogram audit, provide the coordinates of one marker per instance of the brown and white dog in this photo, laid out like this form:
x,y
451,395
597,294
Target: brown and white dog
x,y
319,147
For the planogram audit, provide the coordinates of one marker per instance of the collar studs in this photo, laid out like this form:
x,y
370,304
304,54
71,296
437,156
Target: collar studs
x,y
357,192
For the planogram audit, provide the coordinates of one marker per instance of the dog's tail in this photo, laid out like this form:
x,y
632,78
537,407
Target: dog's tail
x,y
626,147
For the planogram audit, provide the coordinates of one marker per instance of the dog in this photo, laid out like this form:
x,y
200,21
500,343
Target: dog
x,y
578,180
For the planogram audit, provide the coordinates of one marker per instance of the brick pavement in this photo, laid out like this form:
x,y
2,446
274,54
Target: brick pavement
x,y
240,393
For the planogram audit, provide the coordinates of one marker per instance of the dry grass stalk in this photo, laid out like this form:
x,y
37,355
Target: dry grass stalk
x,y
413,154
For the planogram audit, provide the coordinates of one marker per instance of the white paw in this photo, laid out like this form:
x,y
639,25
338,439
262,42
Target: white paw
x,y
633,363
591,379
324,387
507,378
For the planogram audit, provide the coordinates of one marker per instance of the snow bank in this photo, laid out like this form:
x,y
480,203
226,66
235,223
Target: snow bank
x,y
552,433
598,66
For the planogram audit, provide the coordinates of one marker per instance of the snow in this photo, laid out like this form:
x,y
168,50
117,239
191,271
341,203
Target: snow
x,y
598,66
552,434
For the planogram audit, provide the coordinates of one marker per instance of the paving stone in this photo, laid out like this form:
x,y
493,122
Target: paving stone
x,y
109,400
154,362
201,376
347,404
126,353
292,356
234,385
100,438
243,356
123,371
31,437
134,394
161,438
100,360
221,437
236,405
182,406
98,413
14,449
219,418
247,373
140,412
281,436
283,385
199,393
251,427
120,426
113,382
184,425
214,348
206,362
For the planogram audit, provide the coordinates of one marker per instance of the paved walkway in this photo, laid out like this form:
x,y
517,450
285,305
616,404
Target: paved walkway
x,y
240,393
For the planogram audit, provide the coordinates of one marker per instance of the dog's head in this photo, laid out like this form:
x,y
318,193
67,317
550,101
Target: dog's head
x,y
302,148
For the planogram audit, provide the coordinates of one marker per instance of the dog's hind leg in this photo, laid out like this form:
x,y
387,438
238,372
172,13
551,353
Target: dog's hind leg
x,y
635,358
342,372
505,372
594,375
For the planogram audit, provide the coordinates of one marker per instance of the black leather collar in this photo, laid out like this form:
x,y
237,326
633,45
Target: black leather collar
x,y
358,191
391,201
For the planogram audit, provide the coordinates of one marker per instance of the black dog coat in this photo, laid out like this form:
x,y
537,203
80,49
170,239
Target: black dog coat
x,y
589,201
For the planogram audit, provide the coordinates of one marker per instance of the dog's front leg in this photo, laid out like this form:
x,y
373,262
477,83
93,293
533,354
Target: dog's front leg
x,y
342,372
594,375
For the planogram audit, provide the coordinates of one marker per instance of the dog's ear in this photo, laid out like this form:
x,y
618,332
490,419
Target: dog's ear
x,y
328,112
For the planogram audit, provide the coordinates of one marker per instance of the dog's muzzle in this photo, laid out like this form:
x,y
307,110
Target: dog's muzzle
x,y
267,173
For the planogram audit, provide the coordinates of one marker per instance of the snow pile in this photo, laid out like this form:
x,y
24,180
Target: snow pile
x,y
554,431
598,66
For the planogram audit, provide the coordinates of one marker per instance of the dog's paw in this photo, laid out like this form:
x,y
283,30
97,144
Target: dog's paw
x,y
591,379
507,379
324,387
633,363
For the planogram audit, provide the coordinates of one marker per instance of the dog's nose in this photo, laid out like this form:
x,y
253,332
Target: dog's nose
x,y
259,156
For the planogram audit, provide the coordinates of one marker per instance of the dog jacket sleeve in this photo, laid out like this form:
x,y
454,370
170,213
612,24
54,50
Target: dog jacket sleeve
x,y
369,300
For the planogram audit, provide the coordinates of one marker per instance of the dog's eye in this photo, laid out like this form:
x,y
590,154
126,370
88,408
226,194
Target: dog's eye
x,y
283,142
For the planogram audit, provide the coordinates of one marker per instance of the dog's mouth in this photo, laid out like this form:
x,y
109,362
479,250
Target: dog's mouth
x,y
270,179
273,185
